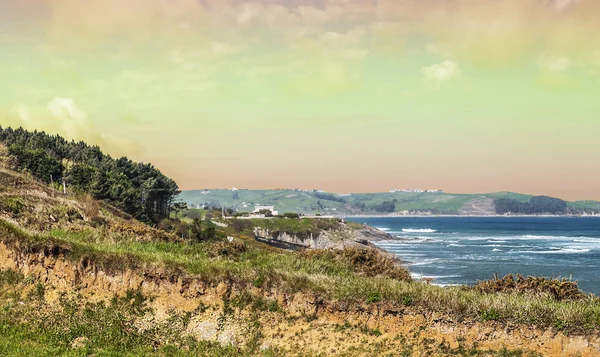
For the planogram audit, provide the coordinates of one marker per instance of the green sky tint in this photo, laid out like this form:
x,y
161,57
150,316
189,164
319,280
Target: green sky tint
x,y
343,95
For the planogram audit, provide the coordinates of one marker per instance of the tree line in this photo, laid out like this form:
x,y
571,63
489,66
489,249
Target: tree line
x,y
535,205
139,189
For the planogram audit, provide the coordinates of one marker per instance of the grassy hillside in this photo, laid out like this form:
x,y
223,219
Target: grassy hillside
x,y
345,204
77,277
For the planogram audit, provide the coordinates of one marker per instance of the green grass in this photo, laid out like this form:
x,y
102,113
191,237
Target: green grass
x,y
331,278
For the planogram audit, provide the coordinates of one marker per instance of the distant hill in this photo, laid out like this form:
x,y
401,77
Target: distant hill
x,y
418,203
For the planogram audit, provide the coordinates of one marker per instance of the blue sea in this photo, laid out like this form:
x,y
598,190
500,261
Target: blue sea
x,y
463,250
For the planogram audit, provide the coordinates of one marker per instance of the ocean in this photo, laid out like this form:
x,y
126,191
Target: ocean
x,y
463,250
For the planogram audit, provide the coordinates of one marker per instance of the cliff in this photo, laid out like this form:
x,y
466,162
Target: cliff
x,y
273,320
338,237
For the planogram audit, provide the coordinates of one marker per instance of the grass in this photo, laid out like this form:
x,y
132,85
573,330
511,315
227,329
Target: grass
x,y
327,275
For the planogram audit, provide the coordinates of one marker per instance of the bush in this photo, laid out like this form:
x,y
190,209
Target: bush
x,y
559,289
227,249
490,315
373,297
365,261
90,207
240,225
12,205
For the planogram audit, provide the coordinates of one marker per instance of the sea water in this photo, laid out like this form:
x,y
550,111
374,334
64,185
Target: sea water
x,y
463,250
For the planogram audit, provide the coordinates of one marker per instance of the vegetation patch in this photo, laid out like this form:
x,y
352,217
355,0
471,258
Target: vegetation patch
x,y
365,261
559,289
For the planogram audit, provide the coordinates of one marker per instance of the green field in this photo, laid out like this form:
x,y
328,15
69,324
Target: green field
x,y
355,203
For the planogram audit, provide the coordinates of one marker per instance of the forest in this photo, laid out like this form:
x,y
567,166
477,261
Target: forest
x,y
139,189
536,205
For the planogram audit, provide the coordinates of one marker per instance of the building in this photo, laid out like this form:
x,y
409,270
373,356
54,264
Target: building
x,y
259,208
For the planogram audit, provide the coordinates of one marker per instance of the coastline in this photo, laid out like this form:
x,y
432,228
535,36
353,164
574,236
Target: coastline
x,y
465,216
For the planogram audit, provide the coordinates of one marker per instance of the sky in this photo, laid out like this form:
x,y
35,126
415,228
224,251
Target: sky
x,y
342,95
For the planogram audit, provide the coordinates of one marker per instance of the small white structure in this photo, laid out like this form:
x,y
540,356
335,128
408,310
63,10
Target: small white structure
x,y
259,208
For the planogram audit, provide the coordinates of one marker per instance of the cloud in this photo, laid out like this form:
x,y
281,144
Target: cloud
x,y
225,49
442,72
555,64
63,116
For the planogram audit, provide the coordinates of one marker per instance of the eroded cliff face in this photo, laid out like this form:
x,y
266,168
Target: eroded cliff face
x,y
302,323
324,239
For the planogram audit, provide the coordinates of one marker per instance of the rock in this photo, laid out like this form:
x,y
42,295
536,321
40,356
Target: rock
x,y
204,330
79,342
265,346
227,339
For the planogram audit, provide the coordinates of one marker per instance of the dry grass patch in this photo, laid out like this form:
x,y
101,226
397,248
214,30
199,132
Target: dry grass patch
x,y
559,289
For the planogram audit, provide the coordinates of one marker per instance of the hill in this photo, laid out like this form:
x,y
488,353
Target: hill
x,y
139,189
312,202
80,277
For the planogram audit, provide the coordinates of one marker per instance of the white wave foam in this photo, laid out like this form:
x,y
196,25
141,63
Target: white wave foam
x,y
496,250
419,276
536,237
415,230
383,229
455,245
425,262
586,240
556,251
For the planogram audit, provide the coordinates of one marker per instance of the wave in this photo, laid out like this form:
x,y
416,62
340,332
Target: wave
x,y
445,285
425,262
586,240
556,251
455,245
383,229
428,276
536,237
415,230
497,250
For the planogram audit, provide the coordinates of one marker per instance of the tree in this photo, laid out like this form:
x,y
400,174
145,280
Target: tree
x,y
137,188
535,205
266,212
386,206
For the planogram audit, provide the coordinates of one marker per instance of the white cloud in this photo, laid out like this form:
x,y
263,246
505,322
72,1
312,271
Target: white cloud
x,y
563,4
224,49
62,116
66,108
555,64
442,72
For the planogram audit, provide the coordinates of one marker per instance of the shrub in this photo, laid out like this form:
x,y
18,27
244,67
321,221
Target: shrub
x,y
240,225
559,289
226,249
373,297
365,261
490,315
12,205
90,207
